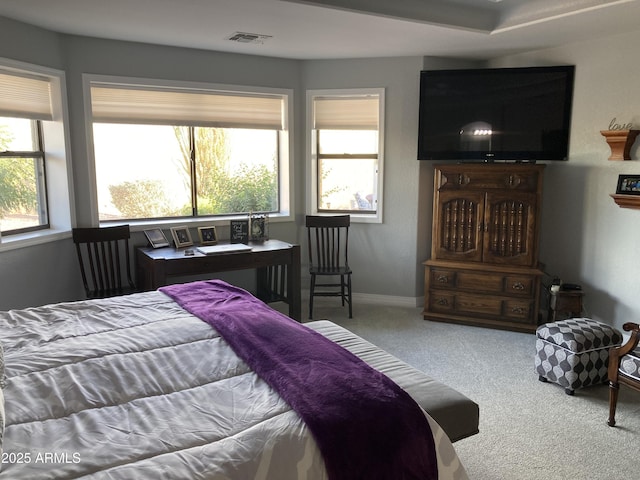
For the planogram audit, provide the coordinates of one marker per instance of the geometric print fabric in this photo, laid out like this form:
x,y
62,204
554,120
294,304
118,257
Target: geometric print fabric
x,y
579,334
630,364
574,353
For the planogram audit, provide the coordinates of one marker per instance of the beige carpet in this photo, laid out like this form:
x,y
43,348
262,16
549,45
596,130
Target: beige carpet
x,y
528,429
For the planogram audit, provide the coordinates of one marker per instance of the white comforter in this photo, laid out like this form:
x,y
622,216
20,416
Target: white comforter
x,y
135,387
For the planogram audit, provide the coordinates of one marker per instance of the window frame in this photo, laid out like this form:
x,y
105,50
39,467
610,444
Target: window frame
x,y
313,154
285,148
41,180
57,164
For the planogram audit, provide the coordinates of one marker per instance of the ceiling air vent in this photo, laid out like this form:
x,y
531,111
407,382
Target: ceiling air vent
x,y
243,37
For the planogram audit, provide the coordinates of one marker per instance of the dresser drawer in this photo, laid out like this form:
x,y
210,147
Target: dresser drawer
x,y
478,305
479,282
482,282
457,177
518,310
493,307
519,285
442,302
442,278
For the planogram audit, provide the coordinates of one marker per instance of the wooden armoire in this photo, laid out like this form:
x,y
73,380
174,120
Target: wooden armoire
x,y
484,256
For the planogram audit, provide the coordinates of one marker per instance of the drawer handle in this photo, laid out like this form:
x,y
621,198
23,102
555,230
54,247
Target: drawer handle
x,y
463,179
513,181
518,310
518,286
442,279
442,301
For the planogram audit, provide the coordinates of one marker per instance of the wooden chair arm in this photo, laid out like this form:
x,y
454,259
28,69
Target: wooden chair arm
x,y
615,353
632,343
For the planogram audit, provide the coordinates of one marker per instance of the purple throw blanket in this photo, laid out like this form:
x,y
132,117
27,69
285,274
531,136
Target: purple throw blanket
x,y
365,425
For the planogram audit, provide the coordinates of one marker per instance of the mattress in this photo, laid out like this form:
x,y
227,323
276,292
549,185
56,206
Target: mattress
x,y
136,387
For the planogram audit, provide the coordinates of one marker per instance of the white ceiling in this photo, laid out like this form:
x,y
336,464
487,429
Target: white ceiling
x,y
338,28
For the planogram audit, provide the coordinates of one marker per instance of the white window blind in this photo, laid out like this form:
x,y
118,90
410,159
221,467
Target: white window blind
x,y
140,104
352,112
25,96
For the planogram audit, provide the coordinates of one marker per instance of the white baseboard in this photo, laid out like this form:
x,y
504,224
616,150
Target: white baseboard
x,y
373,299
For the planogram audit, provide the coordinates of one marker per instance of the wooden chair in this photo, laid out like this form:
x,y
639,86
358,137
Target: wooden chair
x,y
103,254
328,240
624,368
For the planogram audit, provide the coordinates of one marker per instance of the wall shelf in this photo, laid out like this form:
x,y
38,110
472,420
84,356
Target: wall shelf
x,y
620,142
626,201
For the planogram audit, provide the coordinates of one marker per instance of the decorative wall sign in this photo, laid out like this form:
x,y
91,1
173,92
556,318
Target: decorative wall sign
x,y
614,125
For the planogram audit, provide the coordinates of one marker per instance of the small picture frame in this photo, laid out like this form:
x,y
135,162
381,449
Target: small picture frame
x,y
156,238
207,235
239,231
181,236
628,185
259,228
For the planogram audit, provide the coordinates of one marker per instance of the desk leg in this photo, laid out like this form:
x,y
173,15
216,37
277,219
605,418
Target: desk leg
x,y
144,272
150,274
294,286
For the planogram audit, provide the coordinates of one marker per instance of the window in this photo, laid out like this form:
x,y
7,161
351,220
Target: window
x,y
174,152
346,152
23,199
35,170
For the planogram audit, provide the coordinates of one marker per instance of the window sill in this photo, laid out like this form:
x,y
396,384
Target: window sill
x,y
140,225
355,217
13,242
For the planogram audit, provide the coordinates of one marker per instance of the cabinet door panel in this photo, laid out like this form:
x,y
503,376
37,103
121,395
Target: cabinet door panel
x,y
457,226
509,228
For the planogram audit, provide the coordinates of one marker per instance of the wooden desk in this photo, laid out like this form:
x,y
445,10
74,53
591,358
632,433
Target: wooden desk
x,y
277,263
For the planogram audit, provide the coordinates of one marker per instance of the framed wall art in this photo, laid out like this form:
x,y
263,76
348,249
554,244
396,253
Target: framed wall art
x,y
181,236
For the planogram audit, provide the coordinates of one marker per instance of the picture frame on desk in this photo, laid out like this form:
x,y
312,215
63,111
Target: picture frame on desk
x,y
207,235
628,185
259,228
156,238
239,231
181,236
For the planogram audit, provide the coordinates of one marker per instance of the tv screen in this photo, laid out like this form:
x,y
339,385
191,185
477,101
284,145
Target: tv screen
x,y
520,114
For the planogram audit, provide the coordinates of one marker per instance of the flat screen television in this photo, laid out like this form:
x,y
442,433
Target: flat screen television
x,y
518,114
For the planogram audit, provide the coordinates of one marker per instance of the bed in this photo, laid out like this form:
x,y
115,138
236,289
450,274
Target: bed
x,y
140,387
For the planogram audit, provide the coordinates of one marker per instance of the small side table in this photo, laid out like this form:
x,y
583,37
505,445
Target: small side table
x,y
567,303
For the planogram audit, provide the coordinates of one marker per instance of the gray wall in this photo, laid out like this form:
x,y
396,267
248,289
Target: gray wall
x,y
385,257
586,237
26,43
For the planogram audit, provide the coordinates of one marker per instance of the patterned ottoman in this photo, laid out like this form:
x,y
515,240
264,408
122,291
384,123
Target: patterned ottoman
x,y
574,353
